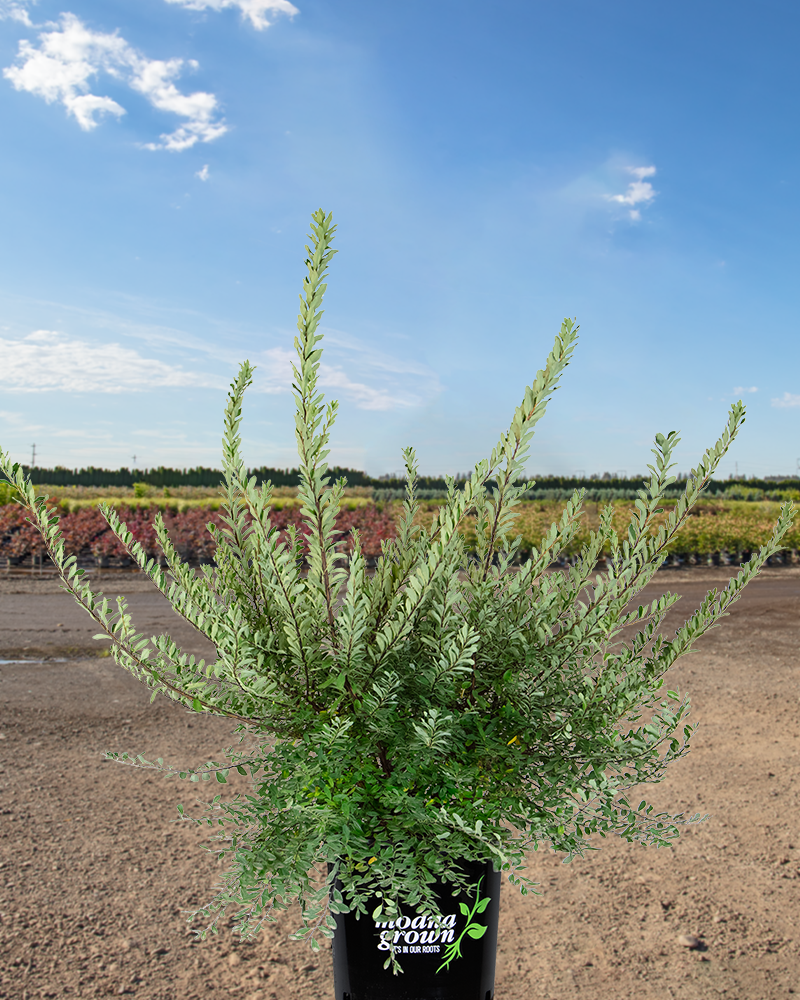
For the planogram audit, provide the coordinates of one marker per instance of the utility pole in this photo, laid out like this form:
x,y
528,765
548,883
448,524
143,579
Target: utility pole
x,y
33,457
134,461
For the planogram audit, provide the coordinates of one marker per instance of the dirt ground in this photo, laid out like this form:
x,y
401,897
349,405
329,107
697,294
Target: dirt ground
x,y
95,871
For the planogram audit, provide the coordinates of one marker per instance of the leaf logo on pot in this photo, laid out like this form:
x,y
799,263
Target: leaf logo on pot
x,y
474,930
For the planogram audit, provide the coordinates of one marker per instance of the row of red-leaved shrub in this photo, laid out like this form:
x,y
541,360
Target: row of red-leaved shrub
x,y
86,534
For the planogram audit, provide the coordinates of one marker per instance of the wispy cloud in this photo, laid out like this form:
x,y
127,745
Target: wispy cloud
x,y
370,379
276,376
203,173
258,12
786,401
355,371
16,10
71,55
639,191
48,361
744,388
17,420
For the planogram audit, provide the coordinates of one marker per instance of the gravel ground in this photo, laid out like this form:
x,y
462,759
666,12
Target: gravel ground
x,y
95,872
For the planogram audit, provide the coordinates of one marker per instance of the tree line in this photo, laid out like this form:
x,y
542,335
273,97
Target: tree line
x,y
162,476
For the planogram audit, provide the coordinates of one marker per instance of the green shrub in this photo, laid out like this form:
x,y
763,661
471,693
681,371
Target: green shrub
x,y
448,705
7,493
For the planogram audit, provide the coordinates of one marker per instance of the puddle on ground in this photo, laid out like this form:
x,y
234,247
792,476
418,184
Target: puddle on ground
x,y
59,659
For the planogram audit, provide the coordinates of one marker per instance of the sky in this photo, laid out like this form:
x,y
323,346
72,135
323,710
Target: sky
x,y
492,168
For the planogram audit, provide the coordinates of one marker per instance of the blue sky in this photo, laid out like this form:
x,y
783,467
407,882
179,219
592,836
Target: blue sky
x,y
492,168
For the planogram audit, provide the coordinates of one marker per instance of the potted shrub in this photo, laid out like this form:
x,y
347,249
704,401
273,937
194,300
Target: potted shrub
x,y
410,733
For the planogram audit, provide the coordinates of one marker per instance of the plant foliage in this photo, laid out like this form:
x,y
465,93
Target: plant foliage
x,y
449,704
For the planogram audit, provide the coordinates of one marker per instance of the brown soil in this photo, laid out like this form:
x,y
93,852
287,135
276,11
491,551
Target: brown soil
x,y
95,872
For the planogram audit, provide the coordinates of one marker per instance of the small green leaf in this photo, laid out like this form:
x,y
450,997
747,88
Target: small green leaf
x,y
464,909
476,931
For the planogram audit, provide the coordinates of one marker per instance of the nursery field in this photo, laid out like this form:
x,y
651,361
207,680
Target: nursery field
x,y
95,870
717,531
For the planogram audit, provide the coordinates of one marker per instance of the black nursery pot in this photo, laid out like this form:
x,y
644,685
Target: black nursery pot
x,y
452,961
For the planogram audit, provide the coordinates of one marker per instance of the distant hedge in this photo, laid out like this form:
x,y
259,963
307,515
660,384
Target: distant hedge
x,y
162,476
600,488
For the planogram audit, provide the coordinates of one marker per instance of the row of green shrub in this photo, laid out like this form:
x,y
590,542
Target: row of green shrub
x,y
731,529
607,495
162,503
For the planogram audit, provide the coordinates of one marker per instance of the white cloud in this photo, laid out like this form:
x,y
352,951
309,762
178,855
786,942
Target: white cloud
x,y
365,397
744,388
277,376
786,401
256,10
371,380
70,55
203,173
16,10
639,191
48,361
14,419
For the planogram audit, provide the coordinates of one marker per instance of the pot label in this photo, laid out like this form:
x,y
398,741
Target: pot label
x,y
410,936
426,935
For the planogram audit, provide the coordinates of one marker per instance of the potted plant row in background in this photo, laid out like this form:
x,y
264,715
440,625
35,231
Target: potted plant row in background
x,y
411,732
718,533
87,536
